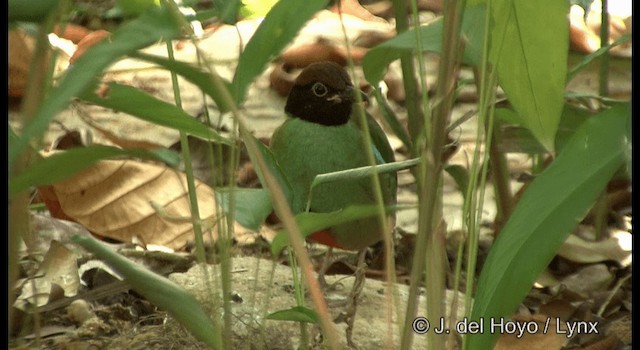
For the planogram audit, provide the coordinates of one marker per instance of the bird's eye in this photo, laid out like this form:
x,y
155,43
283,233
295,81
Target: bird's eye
x,y
319,89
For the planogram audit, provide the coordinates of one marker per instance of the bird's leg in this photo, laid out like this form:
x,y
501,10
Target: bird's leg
x,y
326,262
352,302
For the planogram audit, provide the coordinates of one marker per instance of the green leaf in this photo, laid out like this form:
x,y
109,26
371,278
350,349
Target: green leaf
x,y
146,107
64,164
517,139
274,169
363,172
200,78
143,31
297,314
228,10
392,120
256,8
550,208
529,47
460,175
309,223
275,32
31,11
252,205
377,59
160,291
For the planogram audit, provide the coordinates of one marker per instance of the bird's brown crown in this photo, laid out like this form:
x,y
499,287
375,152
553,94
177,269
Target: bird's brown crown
x,y
323,94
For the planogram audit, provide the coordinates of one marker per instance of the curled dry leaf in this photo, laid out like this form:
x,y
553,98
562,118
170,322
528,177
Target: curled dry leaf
x,y
88,41
58,272
615,248
123,199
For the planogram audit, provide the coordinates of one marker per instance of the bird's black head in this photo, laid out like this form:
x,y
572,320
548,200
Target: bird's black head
x,y
323,94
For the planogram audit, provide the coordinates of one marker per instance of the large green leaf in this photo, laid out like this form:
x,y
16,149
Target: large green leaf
x,y
160,291
529,47
278,28
32,11
62,165
143,31
552,205
377,59
146,107
252,205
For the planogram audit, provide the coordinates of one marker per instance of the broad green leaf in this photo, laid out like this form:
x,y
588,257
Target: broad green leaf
x,y
256,8
377,59
551,207
517,139
297,314
200,78
162,292
275,32
252,205
529,47
64,164
143,31
146,107
31,11
309,223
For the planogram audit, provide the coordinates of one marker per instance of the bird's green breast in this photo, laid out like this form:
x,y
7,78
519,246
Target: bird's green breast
x,y
305,149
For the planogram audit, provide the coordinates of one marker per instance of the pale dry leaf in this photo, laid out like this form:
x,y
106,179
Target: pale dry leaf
x,y
116,199
615,248
591,278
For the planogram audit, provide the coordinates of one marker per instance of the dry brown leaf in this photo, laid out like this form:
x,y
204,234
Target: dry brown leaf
x,y
536,337
20,52
116,199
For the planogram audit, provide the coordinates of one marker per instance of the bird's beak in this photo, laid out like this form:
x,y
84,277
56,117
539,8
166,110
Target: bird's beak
x,y
349,95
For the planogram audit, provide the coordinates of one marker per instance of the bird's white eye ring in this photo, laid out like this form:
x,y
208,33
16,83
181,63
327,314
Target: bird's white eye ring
x,y
319,89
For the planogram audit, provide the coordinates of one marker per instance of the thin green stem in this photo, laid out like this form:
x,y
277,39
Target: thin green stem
x,y
412,95
188,168
604,41
430,246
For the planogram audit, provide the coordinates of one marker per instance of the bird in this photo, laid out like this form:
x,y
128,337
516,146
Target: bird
x,y
321,135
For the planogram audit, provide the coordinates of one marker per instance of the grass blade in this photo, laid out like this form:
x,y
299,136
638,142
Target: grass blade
x,y
146,107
